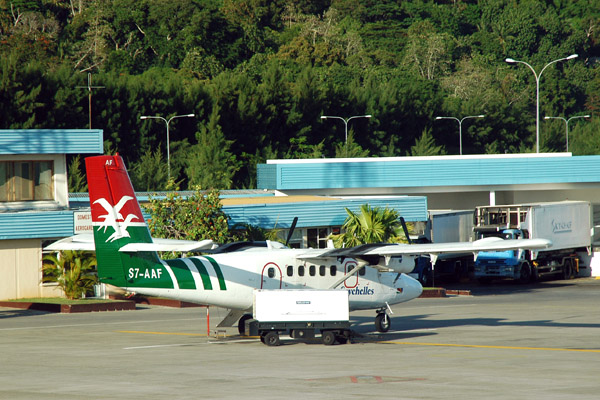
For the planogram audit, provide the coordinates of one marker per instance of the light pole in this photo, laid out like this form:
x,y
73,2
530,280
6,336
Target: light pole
x,y
567,125
537,102
460,121
346,121
167,121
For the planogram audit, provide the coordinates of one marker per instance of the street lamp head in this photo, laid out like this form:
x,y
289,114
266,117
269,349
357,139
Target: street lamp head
x,y
572,56
547,117
439,118
586,116
480,116
510,60
143,117
323,116
190,115
368,116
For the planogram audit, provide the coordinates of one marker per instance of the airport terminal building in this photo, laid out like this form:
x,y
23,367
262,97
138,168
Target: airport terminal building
x,y
35,207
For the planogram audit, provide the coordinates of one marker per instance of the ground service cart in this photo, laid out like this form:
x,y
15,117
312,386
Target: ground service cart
x,y
301,313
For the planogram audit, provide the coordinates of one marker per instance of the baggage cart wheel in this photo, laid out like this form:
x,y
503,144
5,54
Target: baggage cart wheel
x,y
328,338
271,339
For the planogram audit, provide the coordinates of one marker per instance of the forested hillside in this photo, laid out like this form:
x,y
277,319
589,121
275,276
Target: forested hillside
x,y
259,74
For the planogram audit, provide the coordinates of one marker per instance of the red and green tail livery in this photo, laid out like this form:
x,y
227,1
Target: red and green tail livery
x,y
117,220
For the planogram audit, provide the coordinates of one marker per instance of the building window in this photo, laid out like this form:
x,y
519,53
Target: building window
x,y
26,180
316,238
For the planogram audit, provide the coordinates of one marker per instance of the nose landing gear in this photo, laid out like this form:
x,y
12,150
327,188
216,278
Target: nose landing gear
x,y
382,321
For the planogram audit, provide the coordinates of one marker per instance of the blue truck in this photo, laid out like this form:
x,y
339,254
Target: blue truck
x,y
568,224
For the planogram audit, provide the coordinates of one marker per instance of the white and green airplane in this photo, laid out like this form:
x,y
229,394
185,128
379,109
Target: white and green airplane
x,y
374,275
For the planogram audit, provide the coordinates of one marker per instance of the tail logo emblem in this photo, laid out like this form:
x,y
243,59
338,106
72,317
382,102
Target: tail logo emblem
x,y
113,216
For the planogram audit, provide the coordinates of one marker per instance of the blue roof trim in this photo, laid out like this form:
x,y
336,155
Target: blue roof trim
x,y
51,141
32,225
310,213
325,213
422,172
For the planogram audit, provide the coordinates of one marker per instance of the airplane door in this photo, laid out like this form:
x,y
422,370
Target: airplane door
x,y
271,276
352,281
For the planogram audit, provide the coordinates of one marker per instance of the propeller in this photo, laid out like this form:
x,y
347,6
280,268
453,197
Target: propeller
x,y
405,230
291,232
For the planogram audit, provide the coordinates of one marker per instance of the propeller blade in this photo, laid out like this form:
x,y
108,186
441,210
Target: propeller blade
x,y
291,232
405,230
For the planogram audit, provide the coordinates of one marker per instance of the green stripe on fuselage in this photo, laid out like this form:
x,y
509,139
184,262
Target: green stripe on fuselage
x,y
203,273
182,274
218,271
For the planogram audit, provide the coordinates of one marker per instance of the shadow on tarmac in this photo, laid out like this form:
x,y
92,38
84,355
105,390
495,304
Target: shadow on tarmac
x,y
501,287
12,313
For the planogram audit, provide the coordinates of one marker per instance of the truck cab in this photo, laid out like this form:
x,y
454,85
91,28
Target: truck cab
x,y
502,264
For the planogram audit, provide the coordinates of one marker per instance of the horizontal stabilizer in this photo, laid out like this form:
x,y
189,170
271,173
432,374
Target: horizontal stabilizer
x,y
85,242
168,245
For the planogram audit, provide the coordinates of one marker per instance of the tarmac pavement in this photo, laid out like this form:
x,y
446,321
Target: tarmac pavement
x,y
507,341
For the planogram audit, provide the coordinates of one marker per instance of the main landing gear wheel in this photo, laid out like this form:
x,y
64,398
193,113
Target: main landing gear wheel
x,y
382,322
242,323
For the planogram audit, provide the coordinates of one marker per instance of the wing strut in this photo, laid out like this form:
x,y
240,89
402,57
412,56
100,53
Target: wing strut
x,y
361,265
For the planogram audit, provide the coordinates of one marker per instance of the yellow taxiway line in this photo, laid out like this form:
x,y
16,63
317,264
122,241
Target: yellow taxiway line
x,y
166,333
477,346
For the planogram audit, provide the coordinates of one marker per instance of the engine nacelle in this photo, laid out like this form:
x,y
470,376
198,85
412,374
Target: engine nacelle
x,y
401,264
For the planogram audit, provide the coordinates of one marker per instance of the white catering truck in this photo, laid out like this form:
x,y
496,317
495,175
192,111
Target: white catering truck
x,y
300,312
568,224
444,226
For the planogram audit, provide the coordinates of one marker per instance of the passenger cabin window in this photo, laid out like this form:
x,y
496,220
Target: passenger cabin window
x,y
312,270
271,272
301,270
362,271
322,270
332,270
26,180
290,270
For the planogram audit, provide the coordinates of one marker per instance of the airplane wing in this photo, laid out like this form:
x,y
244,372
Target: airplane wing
x,y
85,242
387,256
486,244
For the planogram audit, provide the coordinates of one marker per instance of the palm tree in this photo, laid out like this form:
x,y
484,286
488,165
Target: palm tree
x,y
372,225
73,271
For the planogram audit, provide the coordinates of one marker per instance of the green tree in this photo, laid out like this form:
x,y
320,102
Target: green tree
x,y
210,164
150,173
77,181
195,217
73,271
349,148
371,225
425,146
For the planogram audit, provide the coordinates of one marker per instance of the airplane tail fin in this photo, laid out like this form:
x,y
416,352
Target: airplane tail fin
x,y
117,221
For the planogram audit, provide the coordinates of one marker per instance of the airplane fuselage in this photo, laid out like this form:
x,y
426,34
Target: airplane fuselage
x,y
228,280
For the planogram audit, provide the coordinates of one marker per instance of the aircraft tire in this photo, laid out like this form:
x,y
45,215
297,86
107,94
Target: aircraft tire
x,y
382,322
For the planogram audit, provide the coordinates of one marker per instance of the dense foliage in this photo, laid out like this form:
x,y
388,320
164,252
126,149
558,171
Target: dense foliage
x,y
196,217
73,271
371,225
258,74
